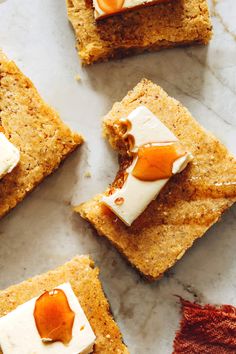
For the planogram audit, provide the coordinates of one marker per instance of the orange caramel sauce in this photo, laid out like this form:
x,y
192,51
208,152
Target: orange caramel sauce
x,y
119,201
53,317
110,6
156,161
1,129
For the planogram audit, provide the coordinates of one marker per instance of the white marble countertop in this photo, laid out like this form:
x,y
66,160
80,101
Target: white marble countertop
x,y
43,232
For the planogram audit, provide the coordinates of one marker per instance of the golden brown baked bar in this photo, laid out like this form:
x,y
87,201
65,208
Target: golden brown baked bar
x,y
83,277
178,22
36,130
187,206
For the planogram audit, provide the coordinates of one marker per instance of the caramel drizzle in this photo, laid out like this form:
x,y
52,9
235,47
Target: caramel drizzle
x,y
155,162
53,316
110,6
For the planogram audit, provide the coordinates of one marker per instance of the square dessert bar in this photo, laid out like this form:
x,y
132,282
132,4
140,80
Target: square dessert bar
x,y
35,129
178,22
190,203
83,277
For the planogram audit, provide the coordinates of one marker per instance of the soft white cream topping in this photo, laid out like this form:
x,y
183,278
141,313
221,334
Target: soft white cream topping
x,y
146,128
135,195
127,4
19,335
9,156
180,164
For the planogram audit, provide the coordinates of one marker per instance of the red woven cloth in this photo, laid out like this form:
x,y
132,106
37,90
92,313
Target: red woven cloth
x,y
206,330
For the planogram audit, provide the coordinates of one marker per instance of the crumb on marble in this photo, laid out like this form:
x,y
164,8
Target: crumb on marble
x,y
87,174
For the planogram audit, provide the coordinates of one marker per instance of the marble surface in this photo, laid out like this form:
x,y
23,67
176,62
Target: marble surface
x,y
43,232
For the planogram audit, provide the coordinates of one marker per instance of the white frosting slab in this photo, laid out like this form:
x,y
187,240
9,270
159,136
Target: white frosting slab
x,y
9,155
136,194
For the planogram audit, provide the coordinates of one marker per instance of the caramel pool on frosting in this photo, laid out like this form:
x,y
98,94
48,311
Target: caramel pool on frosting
x,y
53,316
104,8
110,6
155,162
